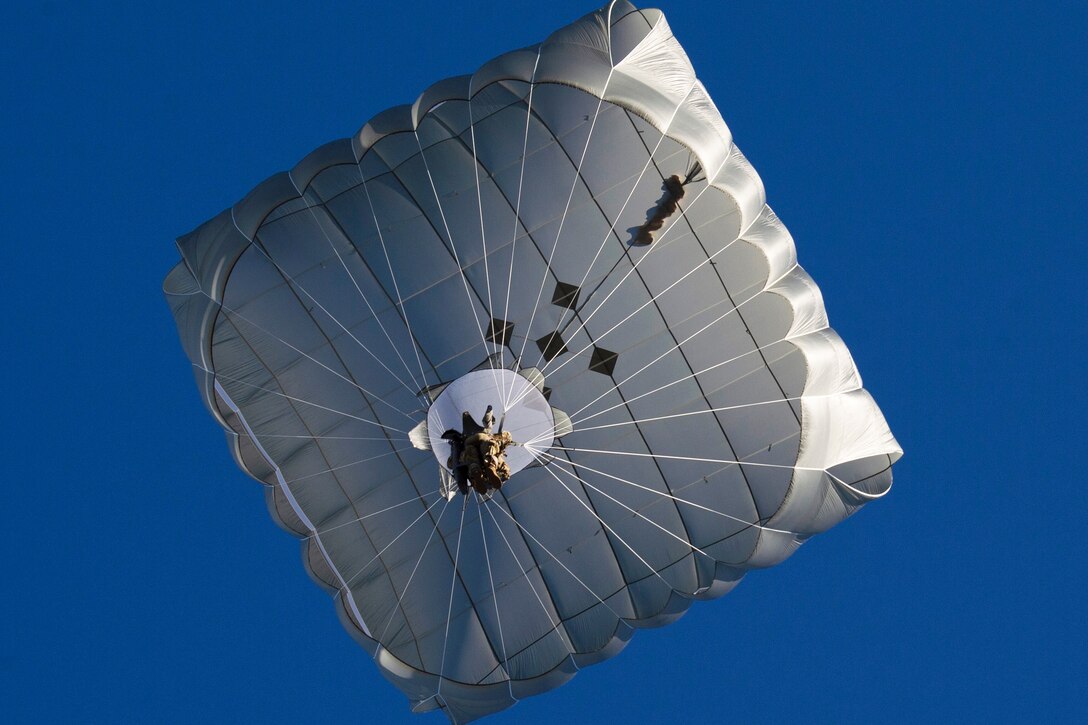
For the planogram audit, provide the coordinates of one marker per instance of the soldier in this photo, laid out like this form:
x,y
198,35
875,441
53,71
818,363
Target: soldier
x,y
478,456
484,457
489,419
674,192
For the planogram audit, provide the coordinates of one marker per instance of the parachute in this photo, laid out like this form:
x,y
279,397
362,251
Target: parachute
x,y
570,236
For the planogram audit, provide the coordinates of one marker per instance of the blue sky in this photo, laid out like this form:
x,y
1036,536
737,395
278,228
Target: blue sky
x,y
929,159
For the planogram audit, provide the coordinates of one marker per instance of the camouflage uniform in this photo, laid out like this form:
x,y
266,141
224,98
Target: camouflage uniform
x,y
484,457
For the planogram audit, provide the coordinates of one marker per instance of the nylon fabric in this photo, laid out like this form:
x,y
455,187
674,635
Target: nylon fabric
x,y
712,420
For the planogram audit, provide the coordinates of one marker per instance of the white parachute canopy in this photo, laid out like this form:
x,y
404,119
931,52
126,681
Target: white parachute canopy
x,y
570,236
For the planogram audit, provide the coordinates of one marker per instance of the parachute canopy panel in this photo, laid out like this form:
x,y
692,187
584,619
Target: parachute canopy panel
x,y
570,237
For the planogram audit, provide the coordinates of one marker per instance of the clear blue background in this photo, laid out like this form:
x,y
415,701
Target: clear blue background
x,y
929,159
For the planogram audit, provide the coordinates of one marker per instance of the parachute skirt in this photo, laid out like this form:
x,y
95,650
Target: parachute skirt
x,y
716,421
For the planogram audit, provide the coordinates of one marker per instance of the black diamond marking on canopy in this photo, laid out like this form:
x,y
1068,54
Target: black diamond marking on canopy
x,y
551,346
603,361
565,295
546,392
500,331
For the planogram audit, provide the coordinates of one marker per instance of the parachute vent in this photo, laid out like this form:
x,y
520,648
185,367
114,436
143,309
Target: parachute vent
x,y
603,361
565,295
499,331
551,346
